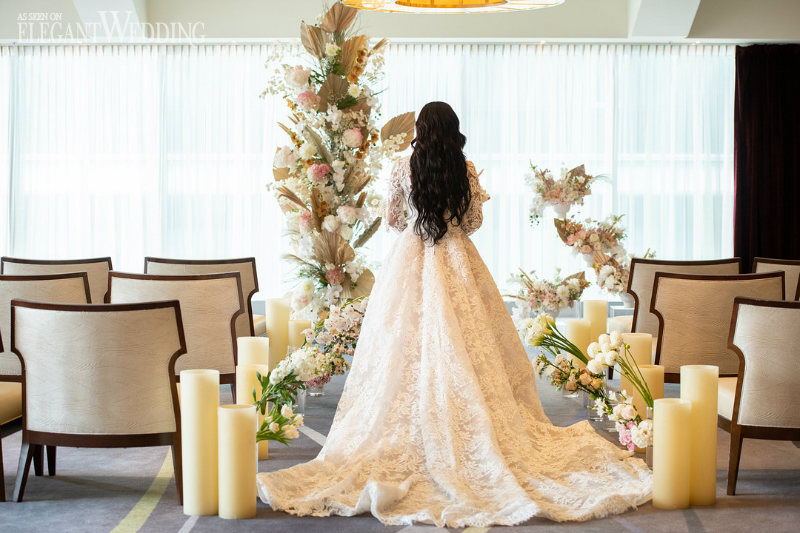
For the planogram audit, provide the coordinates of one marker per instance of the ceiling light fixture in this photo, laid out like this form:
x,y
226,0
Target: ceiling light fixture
x,y
450,6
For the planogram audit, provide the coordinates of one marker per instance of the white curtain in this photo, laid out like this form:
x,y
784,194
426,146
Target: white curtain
x,y
166,149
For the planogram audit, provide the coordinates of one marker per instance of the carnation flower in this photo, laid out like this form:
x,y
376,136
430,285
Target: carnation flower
x,y
317,172
298,77
352,137
308,99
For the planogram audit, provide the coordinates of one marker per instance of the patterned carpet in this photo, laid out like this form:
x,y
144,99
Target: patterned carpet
x,y
132,489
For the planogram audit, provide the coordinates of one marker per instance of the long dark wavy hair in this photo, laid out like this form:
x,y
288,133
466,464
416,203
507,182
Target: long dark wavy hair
x,y
440,189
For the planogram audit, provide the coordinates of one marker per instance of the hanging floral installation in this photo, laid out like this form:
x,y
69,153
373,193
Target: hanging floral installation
x,y
323,179
561,194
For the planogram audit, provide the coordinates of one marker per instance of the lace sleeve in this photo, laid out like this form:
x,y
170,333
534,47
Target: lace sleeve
x,y
474,216
396,197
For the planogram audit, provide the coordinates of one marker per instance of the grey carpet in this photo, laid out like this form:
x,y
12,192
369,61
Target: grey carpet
x,y
95,489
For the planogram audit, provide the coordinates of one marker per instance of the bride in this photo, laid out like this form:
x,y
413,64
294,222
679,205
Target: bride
x,y
439,421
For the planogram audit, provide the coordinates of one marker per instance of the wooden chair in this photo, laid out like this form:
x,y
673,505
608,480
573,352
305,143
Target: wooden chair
x,y
97,376
762,401
694,317
247,324
97,269
210,304
791,267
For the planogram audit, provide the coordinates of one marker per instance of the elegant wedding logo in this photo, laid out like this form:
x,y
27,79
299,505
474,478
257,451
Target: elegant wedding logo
x,y
111,26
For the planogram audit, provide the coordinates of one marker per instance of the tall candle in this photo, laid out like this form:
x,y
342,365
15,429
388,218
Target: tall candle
x,y
199,403
238,462
654,377
699,385
671,453
277,318
596,312
253,350
296,329
246,381
641,347
577,331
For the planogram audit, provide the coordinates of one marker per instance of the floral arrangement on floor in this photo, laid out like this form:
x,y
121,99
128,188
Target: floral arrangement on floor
x,y
562,193
607,351
280,424
541,295
323,180
591,236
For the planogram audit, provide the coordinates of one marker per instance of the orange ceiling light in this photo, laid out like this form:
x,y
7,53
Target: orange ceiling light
x,y
450,6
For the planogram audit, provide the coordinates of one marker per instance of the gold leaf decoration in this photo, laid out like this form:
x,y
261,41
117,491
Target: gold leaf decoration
x,y
367,234
280,174
338,18
333,89
331,248
313,40
350,50
561,228
400,124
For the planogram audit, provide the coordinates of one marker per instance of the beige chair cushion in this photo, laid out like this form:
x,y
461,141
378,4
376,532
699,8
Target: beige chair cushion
x,y
71,290
96,270
697,317
10,401
260,325
245,267
792,271
769,338
641,283
725,397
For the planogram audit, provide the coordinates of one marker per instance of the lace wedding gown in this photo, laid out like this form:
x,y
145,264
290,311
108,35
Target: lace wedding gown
x,y
439,421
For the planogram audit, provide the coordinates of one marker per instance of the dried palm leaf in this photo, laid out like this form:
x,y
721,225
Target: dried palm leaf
x,y
315,140
288,194
578,275
316,209
363,286
333,89
280,174
577,171
400,124
361,199
313,39
561,228
350,50
287,129
380,44
358,183
329,247
338,18
367,234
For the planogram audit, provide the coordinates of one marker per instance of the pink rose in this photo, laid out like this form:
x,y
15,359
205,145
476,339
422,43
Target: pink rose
x,y
570,240
317,172
335,276
352,137
308,99
306,222
587,249
298,76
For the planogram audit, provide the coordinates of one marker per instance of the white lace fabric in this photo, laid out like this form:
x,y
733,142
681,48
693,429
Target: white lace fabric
x,y
440,421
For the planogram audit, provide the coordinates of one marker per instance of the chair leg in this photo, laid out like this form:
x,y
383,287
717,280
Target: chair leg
x,y
51,460
38,459
2,474
26,453
177,464
610,373
233,391
735,455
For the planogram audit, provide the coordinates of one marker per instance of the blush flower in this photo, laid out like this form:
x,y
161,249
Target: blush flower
x,y
298,76
335,276
308,99
352,137
306,222
317,172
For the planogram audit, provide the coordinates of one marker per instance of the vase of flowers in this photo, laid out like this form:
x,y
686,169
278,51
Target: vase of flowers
x,y
560,193
546,296
591,236
323,179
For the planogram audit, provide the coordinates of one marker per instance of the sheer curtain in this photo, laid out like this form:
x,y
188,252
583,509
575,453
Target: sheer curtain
x,y
166,149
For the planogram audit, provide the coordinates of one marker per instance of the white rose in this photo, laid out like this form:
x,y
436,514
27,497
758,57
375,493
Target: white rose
x,y
331,223
331,49
307,151
628,412
585,379
284,157
298,76
346,232
354,90
306,286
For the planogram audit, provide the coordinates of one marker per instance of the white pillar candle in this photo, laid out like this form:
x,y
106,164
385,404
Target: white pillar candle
x,y
641,347
699,385
577,331
199,403
238,462
246,381
253,350
654,377
277,317
671,453
596,312
296,329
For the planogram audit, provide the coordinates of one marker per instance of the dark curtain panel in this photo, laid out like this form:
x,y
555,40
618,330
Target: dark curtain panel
x,y
767,152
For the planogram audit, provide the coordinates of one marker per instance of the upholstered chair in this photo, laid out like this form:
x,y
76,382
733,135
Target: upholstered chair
x,y
210,304
791,267
99,376
694,313
247,324
642,274
97,270
70,288
763,400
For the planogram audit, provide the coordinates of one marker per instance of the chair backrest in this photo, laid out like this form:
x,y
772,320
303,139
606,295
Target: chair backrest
x,y
69,288
791,267
765,335
97,270
246,267
210,304
93,371
694,316
642,275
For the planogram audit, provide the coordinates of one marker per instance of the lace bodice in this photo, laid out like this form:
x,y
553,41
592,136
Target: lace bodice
x,y
399,211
